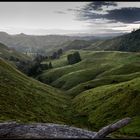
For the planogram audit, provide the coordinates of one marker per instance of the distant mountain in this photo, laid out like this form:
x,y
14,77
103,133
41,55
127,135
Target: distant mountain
x,y
33,43
129,42
10,53
46,44
76,44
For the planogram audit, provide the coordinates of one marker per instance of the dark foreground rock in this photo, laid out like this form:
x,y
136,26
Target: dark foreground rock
x,y
50,130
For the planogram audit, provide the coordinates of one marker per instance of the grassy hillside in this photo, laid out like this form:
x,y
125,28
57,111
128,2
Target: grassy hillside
x,y
106,80
94,66
102,92
129,42
6,53
76,44
104,104
104,87
25,99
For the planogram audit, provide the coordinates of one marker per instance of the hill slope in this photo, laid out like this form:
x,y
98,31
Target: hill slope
x,y
104,87
98,66
40,43
25,99
7,53
129,42
104,104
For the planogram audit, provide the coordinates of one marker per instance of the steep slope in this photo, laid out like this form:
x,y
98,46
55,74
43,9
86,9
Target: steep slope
x,y
129,42
25,99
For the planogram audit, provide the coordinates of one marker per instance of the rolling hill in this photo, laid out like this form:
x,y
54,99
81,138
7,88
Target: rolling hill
x,y
100,89
128,43
94,66
103,87
104,104
44,44
27,100
7,53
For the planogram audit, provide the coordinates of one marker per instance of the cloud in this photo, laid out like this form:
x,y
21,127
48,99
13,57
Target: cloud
x,y
99,4
74,9
59,12
124,15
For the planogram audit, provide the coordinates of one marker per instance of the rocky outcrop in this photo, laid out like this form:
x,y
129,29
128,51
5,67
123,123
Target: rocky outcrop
x,y
50,130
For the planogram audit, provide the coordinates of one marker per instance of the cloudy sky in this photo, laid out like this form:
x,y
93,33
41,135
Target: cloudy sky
x,y
97,18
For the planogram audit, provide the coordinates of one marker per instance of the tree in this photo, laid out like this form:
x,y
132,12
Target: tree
x,y
74,58
54,56
35,69
59,52
77,57
50,65
44,66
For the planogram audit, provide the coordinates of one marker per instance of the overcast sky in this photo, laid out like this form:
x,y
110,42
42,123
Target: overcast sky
x,y
95,18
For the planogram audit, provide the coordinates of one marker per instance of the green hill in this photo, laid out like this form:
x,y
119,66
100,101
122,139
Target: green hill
x,y
25,99
94,66
8,53
111,94
129,43
104,87
76,44
104,104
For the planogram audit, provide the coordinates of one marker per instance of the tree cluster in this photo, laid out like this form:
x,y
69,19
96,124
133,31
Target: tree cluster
x,y
33,68
56,54
74,58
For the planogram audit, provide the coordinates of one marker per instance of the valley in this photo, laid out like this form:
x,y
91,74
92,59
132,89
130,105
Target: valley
x,y
93,92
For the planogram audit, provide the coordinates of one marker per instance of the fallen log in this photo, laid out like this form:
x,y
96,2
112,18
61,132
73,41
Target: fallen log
x,y
111,128
50,130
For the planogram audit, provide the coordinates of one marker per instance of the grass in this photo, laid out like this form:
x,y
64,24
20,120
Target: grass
x,y
104,104
104,87
94,92
6,53
25,99
106,80
94,65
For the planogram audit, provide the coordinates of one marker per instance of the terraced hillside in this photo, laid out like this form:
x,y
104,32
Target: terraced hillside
x,y
104,87
25,99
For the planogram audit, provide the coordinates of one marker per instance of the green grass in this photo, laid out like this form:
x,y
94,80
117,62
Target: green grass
x,y
94,65
6,53
74,78
106,80
104,87
104,104
25,99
